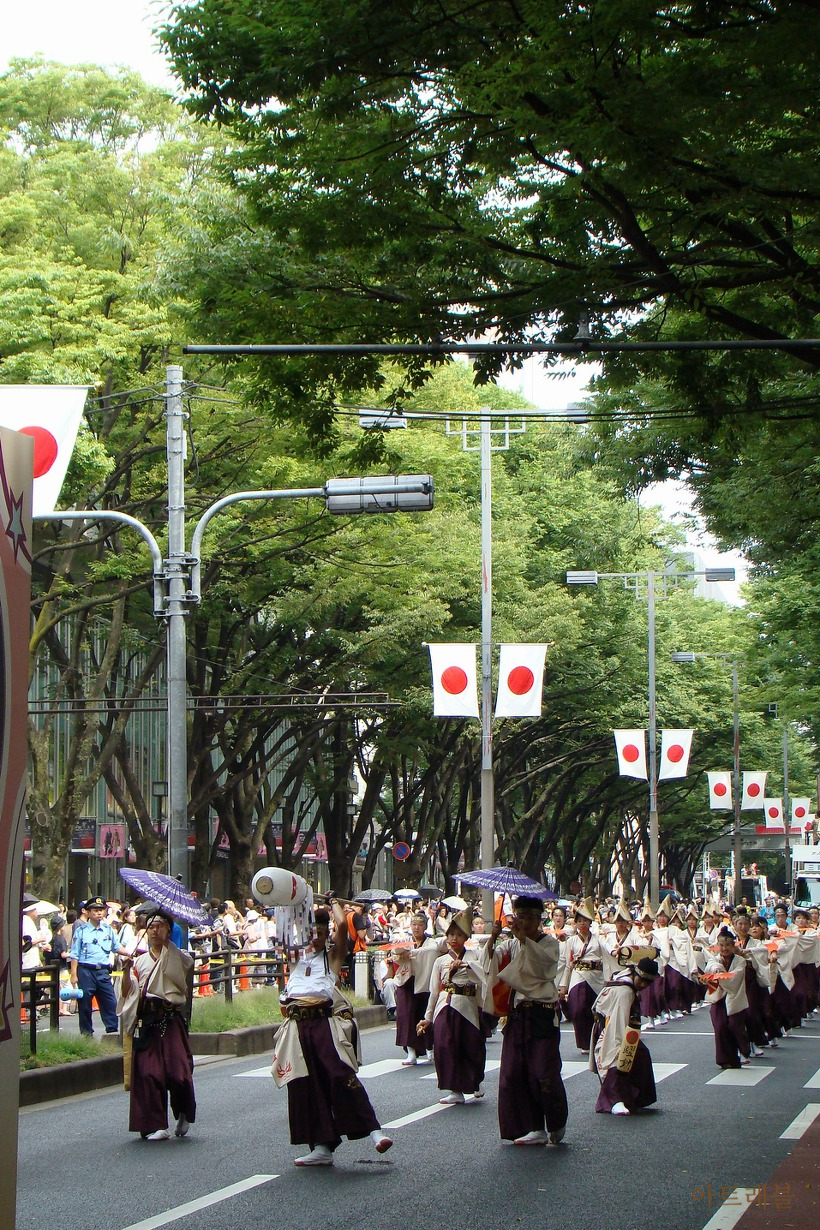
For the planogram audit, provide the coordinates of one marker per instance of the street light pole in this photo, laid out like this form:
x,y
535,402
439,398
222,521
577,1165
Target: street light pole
x,y
654,827
487,772
174,598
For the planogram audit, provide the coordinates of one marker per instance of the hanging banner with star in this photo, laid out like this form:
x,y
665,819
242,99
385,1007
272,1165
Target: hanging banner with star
x,y
51,415
16,467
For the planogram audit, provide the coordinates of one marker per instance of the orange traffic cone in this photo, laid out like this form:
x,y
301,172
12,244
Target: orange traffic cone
x,y
205,987
244,981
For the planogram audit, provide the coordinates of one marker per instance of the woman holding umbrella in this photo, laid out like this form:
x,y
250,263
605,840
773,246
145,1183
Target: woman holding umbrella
x,y
153,1001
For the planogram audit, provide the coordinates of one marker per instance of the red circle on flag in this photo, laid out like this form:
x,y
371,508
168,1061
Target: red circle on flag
x,y
45,449
520,680
754,790
774,812
630,753
632,1037
675,753
453,680
720,789
800,812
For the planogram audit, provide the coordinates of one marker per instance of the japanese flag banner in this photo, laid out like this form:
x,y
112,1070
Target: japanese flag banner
x,y
675,748
801,813
754,788
773,811
720,791
455,681
631,748
50,414
520,680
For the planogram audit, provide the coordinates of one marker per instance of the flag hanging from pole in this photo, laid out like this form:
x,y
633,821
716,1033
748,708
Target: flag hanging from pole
x,y
720,791
773,812
801,811
631,748
455,680
754,787
520,680
676,746
50,414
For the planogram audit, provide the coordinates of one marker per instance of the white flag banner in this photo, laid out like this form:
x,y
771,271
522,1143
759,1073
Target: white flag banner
x,y
773,811
50,414
801,812
720,791
631,748
676,746
520,680
754,788
455,680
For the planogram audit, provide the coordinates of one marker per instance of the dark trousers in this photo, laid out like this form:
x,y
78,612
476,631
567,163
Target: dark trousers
x,y
531,1092
97,982
330,1102
165,1067
731,1036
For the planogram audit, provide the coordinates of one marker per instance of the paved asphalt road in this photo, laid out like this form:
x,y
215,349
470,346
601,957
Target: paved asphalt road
x,y
667,1169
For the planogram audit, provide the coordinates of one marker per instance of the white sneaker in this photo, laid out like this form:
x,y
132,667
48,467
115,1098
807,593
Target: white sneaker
x,y
557,1136
319,1156
744,1061
162,1134
619,1109
774,1044
582,1052
532,1138
451,1099
182,1126
677,1016
381,1142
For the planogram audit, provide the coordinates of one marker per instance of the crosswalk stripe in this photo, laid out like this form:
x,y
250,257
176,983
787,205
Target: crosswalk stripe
x,y
664,1070
814,1081
730,1212
204,1202
492,1065
799,1126
741,1076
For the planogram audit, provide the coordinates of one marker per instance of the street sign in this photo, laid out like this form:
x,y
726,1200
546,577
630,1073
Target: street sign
x,y
401,851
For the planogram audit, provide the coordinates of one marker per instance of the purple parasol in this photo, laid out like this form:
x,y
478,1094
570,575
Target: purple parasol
x,y
166,893
507,880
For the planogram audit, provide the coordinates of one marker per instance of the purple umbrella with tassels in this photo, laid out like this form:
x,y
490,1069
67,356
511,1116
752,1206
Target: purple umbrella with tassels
x,y
507,880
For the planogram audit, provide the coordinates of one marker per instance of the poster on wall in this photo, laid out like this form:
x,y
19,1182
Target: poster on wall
x,y
16,478
112,841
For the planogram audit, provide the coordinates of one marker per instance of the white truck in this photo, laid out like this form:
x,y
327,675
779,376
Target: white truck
x,y
806,875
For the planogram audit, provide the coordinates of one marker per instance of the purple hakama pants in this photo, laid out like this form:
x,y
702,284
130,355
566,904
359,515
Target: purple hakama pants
x,y
579,1010
410,1009
635,1088
531,1092
165,1067
330,1102
679,990
459,1052
731,1036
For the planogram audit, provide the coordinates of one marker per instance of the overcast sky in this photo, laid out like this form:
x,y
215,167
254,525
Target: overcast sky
x,y
108,32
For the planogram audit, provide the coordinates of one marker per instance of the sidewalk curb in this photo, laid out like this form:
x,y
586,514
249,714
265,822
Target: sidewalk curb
x,y
85,1075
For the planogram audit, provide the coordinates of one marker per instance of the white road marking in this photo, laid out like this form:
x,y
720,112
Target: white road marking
x,y
424,1113
204,1202
814,1081
799,1126
572,1067
664,1070
733,1208
741,1076
380,1067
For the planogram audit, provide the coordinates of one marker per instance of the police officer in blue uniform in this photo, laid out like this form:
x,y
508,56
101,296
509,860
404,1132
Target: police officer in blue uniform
x,y
91,949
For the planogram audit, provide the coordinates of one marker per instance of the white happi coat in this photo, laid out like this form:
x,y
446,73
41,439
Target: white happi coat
x,y
733,989
471,973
